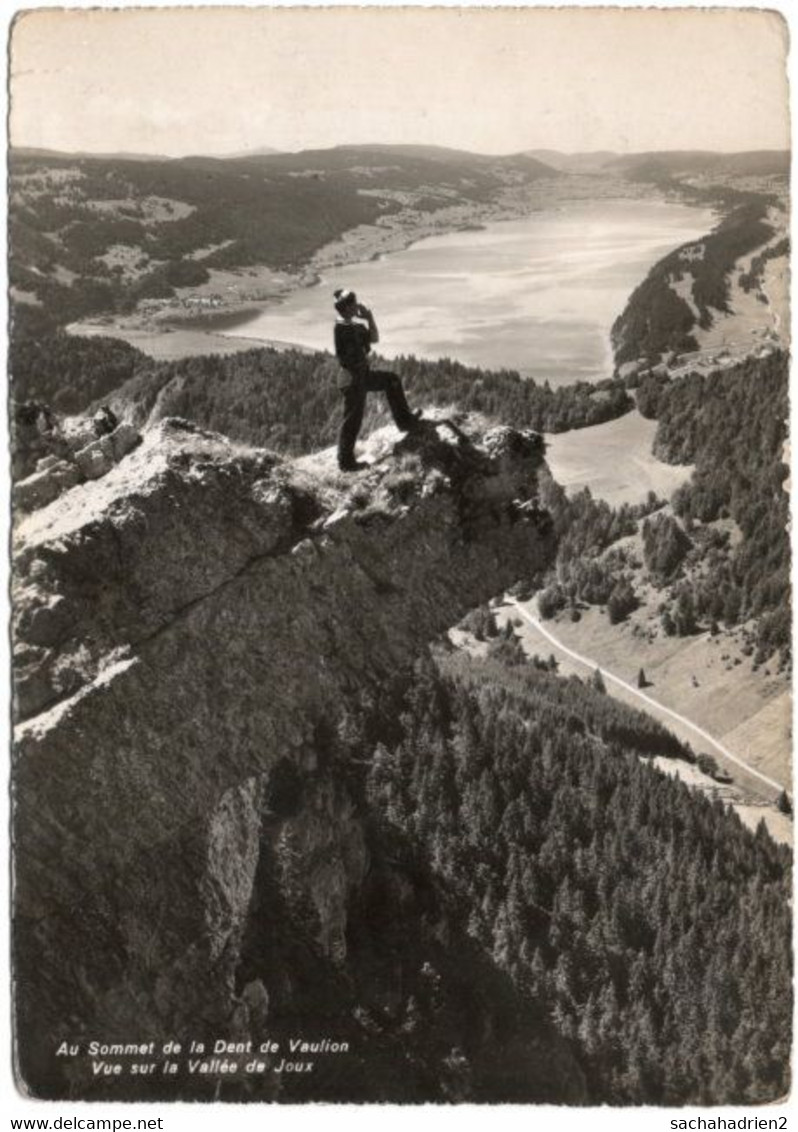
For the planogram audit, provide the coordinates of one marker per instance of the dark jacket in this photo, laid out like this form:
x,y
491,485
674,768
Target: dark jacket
x,y
352,345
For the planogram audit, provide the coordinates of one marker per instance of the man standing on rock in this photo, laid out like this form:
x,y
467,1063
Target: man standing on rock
x,y
353,341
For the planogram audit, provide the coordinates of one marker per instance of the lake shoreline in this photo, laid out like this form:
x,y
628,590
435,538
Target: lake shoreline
x,y
194,324
536,294
202,319
172,341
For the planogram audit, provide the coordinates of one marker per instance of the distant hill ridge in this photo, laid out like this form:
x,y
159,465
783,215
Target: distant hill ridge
x,y
70,214
559,160
434,153
25,151
755,162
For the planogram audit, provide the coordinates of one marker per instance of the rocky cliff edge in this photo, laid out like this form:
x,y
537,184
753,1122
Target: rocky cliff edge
x,y
181,626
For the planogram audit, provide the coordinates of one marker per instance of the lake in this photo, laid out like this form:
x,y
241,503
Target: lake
x,y
538,295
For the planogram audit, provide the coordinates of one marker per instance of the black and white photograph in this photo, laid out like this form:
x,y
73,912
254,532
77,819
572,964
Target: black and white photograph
x,y
399,547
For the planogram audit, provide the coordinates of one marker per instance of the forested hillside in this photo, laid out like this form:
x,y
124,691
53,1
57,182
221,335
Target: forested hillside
x,y
68,373
178,218
290,400
583,573
732,425
651,923
681,163
656,319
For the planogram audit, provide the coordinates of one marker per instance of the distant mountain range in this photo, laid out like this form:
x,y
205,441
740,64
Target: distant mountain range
x,y
123,155
61,154
756,162
761,162
435,153
259,151
574,162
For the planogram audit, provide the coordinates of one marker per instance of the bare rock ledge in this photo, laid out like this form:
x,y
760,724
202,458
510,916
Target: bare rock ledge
x,y
181,627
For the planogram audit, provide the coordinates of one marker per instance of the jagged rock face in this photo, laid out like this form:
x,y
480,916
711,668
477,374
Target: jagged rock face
x,y
52,456
182,627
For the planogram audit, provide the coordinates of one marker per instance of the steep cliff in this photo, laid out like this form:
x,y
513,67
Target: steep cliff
x,y
193,854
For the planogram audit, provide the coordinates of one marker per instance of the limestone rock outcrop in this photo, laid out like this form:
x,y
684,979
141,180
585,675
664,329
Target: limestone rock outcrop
x,y
65,454
186,628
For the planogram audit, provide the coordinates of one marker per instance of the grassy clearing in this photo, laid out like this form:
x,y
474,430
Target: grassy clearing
x,y
614,460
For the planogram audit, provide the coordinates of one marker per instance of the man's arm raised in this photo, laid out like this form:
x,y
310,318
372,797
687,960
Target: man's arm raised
x,y
374,334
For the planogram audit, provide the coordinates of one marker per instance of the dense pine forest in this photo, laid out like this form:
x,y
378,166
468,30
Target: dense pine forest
x,y
732,425
65,372
288,400
651,923
586,528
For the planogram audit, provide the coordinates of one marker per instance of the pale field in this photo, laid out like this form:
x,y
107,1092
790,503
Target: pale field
x,y
748,711
724,699
751,321
614,460
243,284
767,737
750,810
706,678
29,297
203,253
670,677
746,327
64,275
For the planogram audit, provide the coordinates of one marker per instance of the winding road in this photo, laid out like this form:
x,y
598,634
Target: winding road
x,y
640,695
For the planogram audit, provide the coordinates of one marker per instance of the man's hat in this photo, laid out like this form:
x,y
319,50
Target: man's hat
x,y
342,298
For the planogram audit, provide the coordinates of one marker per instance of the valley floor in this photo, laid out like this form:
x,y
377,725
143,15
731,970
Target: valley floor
x,y
748,714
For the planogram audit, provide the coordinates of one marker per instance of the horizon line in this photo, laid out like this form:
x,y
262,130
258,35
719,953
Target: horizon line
x,y
242,154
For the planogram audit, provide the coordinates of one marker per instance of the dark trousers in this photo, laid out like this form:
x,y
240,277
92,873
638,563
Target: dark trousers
x,y
370,381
